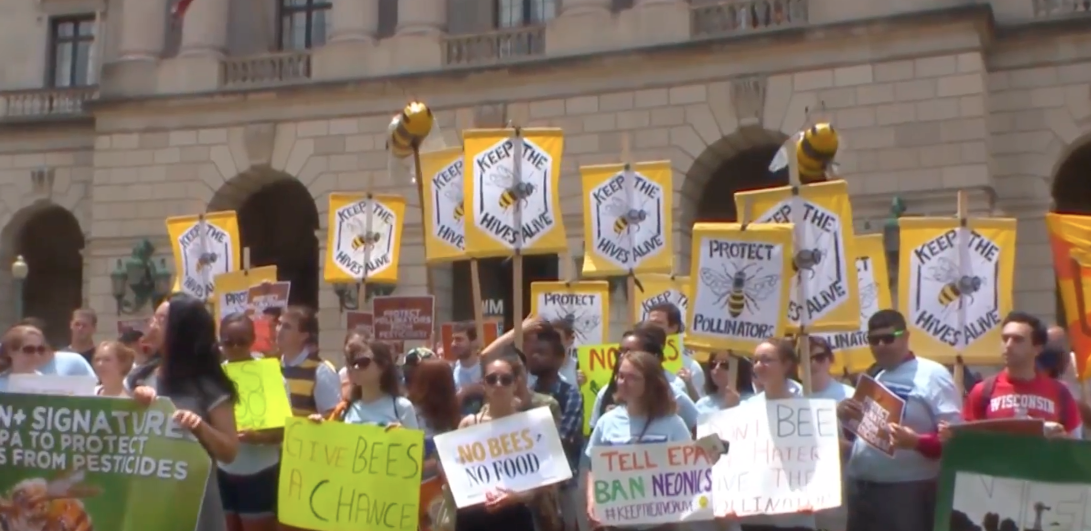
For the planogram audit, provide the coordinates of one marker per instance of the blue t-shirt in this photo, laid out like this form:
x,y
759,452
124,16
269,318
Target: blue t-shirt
x,y
66,363
836,391
930,397
384,411
618,428
686,409
5,378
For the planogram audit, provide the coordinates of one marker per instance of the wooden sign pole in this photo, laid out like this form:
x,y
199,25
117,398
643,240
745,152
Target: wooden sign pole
x,y
804,348
475,275
517,221
428,270
733,360
963,221
630,280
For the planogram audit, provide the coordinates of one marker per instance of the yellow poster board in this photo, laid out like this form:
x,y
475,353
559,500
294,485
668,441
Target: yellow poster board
x,y
232,291
1070,240
627,215
585,305
336,477
444,207
263,400
739,285
824,291
955,286
661,289
204,246
364,238
496,185
851,351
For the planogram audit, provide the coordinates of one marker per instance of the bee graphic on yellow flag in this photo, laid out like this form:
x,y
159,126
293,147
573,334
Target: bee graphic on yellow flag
x,y
363,239
203,259
956,285
740,290
513,193
454,193
53,505
816,148
627,217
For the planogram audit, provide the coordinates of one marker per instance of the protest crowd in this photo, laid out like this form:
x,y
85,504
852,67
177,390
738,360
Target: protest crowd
x,y
181,357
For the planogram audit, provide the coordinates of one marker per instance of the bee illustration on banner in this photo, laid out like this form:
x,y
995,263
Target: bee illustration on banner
x,y
455,194
869,298
512,192
583,322
956,286
807,259
628,217
363,240
816,148
52,505
203,259
740,290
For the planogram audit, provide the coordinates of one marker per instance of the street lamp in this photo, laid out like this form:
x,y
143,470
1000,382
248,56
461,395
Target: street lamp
x,y
892,240
348,294
141,276
19,272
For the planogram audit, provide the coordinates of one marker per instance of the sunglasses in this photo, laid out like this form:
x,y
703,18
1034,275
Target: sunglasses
x,y
722,364
361,363
31,349
883,339
823,357
499,380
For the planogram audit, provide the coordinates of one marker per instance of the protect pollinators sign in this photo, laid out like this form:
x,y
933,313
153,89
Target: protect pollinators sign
x,y
364,238
232,289
95,463
659,289
823,282
204,246
739,285
628,218
956,285
512,192
584,305
851,350
444,205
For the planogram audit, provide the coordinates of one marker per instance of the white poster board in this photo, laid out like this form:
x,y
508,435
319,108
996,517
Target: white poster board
x,y
517,453
784,457
51,384
661,483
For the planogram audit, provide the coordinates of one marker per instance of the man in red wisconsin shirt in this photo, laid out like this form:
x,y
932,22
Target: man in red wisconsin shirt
x,y
1019,390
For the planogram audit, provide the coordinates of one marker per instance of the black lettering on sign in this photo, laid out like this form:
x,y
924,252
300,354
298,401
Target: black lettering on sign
x,y
494,171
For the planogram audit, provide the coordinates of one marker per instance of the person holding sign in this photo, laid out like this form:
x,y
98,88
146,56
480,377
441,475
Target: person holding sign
x,y
669,317
719,393
248,486
23,351
375,390
112,360
190,376
432,392
646,412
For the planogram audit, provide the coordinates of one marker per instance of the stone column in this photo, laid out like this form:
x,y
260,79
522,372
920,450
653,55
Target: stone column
x,y
204,28
420,17
143,30
584,7
355,20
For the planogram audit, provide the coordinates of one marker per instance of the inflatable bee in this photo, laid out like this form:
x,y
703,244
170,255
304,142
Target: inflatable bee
x,y
816,148
409,128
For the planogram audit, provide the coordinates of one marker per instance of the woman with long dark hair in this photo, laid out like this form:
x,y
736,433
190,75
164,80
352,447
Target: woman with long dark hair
x,y
645,412
374,389
190,375
719,394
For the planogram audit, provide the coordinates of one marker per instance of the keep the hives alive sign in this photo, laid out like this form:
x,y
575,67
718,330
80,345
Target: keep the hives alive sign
x,y
364,238
97,463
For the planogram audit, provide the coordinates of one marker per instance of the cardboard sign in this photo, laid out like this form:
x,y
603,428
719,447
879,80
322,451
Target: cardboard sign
x,y
269,296
1034,427
881,407
662,483
400,318
493,329
362,321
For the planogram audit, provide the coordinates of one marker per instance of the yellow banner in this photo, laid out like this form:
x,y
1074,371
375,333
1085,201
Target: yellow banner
x,y
444,210
659,289
597,364
358,234
1070,239
232,293
627,219
955,286
336,477
200,255
824,292
263,401
584,304
493,195
851,351
739,282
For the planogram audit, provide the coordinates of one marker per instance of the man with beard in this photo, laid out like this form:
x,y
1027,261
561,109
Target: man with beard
x,y
467,369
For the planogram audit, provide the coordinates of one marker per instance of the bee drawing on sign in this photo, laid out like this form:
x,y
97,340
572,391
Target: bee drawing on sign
x,y
869,297
362,239
956,286
454,193
740,290
627,217
807,259
51,505
203,259
513,193
583,322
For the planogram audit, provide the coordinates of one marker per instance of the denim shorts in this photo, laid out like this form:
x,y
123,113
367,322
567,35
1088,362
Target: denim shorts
x,y
250,496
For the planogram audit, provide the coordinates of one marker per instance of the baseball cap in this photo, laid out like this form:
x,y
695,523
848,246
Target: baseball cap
x,y
417,355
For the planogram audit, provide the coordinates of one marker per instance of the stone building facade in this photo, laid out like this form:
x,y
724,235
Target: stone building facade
x,y
931,97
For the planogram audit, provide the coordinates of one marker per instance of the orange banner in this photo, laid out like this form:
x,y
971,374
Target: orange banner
x,y
1070,238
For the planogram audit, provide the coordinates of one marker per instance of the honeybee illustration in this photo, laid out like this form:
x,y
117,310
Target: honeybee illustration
x,y
627,216
363,239
740,290
816,148
38,504
454,193
869,298
514,193
203,258
583,322
956,286
408,129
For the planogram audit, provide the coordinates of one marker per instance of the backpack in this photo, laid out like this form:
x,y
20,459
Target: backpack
x,y
988,386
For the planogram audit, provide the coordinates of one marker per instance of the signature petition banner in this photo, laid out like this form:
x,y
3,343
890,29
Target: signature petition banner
x,y
106,464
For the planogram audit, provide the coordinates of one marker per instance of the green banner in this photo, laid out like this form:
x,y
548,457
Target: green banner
x,y
993,482
82,463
